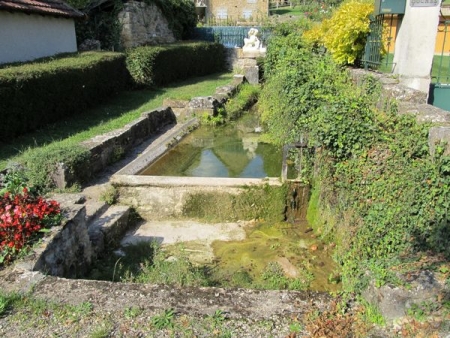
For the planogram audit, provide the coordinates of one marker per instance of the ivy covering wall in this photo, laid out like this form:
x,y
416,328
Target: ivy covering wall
x,y
377,192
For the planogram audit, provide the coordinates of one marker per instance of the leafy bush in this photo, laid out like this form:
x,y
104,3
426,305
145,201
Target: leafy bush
x,y
180,14
345,33
246,97
160,65
378,193
35,94
21,217
40,164
103,26
306,94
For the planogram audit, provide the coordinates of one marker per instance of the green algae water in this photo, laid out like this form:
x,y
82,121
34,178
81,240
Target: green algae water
x,y
278,255
234,150
289,252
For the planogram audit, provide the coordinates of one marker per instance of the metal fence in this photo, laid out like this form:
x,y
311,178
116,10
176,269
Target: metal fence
x,y
229,36
439,95
374,44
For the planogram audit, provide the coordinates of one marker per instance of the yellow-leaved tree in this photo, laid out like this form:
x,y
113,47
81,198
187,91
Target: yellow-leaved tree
x,y
344,34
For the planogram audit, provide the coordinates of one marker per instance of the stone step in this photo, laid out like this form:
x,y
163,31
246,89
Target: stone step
x,y
94,209
107,229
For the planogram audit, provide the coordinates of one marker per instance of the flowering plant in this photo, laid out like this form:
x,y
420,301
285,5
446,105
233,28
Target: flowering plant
x,y
22,217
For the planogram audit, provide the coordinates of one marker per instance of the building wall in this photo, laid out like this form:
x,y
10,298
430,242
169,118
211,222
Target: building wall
x,y
391,25
26,37
143,24
237,10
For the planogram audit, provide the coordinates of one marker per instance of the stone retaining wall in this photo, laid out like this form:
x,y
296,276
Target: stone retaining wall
x,y
108,148
143,24
413,102
161,197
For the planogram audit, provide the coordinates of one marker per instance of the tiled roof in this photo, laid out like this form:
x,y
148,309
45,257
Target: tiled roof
x,y
43,7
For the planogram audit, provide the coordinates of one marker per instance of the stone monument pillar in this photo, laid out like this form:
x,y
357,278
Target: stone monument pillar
x,y
414,47
247,56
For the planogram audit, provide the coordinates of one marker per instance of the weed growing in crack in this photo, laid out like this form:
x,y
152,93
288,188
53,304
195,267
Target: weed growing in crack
x,y
165,320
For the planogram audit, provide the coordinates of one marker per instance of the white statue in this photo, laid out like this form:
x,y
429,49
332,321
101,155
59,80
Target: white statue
x,y
252,43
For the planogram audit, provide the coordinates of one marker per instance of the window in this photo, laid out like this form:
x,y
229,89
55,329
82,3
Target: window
x,y
222,13
247,13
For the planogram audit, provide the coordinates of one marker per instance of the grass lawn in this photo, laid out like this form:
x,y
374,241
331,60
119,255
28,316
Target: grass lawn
x,y
121,110
297,11
438,60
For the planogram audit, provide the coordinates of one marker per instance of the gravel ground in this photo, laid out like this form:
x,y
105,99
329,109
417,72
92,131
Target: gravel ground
x,y
58,307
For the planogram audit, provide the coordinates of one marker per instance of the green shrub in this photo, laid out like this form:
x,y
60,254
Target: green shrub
x,y
40,164
180,14
246,97
378,194
307,94
160,65
345,33
33,95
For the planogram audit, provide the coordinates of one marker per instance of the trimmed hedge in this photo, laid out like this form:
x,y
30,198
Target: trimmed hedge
x,y
33,95
160,65
41,164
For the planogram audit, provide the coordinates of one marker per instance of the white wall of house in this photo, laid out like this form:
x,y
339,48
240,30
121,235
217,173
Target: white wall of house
x,y
26,37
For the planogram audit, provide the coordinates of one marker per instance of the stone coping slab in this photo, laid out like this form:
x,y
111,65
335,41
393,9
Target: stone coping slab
x,y
200,301
177,181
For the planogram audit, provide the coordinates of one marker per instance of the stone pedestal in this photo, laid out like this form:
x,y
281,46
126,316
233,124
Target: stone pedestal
x,y
414,47
244,62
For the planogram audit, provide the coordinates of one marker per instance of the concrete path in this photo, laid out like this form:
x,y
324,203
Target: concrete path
x,y
195,237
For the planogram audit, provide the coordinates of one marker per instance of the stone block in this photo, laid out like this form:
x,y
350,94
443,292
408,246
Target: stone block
x,y
252,74
173,103
437,135
394,301
108,229
243,63
66,251
238,79
204,105
143,24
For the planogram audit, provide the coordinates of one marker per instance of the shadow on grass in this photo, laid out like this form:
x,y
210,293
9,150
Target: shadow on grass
x,y
120,110
285,11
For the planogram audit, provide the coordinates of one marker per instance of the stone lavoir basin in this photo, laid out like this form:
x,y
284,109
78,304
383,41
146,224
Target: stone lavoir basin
x,y
188,196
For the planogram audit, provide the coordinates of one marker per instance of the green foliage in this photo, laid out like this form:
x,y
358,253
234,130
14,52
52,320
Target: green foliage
x,y
213,120
35,94
13,181
255,202
101,24
274,278
148,263
379,194
422,310
132,312
4,302
164,320
40,164
245,98
180,14
345,33
295,327
160,65
302,96
110,195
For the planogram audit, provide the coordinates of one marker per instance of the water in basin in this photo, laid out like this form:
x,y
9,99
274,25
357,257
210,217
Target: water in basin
x,y
234,150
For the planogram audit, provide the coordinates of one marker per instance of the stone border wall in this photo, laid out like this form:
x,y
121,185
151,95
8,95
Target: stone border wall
x,y
69,249
413,102
108,148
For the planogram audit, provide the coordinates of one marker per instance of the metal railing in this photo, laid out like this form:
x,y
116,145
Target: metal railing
x,y
229,36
